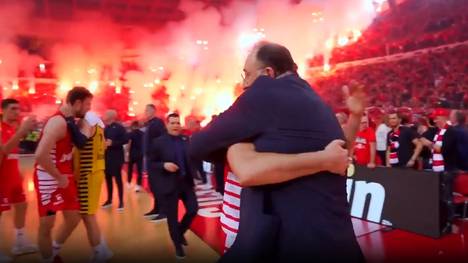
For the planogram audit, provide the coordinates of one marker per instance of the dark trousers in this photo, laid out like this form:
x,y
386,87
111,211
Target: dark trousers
x,y
201,171
171,209
152,185
114,170
219,176
138,161
383,157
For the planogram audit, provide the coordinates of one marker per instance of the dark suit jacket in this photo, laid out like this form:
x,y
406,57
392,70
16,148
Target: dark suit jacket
x,y
117,133
162,151
286,116
154,128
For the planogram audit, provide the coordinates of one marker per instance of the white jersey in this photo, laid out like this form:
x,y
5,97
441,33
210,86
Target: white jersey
x,y
381,134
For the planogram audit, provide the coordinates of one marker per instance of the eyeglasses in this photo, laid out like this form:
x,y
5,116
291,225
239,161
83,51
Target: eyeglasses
x,y
245,75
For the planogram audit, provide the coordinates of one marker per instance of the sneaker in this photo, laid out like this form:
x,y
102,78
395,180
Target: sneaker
x,y
25,247
107,204
151,215
138,188
129,185
5,258
180,253
101,256
159,218
120,208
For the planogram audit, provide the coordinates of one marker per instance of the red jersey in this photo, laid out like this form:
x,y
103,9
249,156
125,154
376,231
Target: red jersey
x,y
362,146
50,197
62,152
230,216
11,182
10,164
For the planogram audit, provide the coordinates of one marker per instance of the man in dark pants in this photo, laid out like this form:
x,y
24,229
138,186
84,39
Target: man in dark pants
x,y
136,155
154,128
173,176
116,138
301,220
219,176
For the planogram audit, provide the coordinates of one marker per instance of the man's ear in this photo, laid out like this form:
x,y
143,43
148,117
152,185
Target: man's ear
x,y
270,72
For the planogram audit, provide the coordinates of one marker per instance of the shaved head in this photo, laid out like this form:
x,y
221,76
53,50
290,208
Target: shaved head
x,y
110,116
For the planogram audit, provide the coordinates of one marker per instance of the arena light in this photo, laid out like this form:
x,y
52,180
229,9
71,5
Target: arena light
x,y
356,34
91,71
14,85
247,40
64,87
1,61
342,41
93,86
157,81
118,89
326,67
329,43
32,89
42,67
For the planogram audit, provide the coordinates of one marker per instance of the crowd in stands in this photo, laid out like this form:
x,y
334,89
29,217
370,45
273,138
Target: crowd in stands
x,y
422,82
413,25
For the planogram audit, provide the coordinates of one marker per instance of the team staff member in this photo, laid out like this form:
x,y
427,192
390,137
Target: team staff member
x,y
154,129
116,138
173,175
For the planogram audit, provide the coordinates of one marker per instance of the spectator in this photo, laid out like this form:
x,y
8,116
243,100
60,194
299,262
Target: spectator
x,y
442,140
403,145
364,147
381,134
459,125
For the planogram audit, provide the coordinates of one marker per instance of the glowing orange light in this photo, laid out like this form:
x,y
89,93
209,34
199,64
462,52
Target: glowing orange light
x,y
32,90
329,43
30,185
14,85
93,86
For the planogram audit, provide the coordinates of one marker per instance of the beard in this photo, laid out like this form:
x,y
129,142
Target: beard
x,y
79,114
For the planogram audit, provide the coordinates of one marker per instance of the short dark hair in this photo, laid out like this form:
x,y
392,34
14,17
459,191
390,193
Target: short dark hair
x,y
78,93
460,117
7,102
277,57
172,115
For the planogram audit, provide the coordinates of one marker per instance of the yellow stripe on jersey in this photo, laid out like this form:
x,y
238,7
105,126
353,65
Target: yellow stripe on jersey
x,y
90,173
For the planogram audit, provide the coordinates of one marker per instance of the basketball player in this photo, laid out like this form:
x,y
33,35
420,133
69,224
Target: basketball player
x,y
53,177
11,182
89,171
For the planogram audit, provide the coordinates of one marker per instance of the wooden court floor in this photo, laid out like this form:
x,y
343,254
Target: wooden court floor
x,y
131,237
